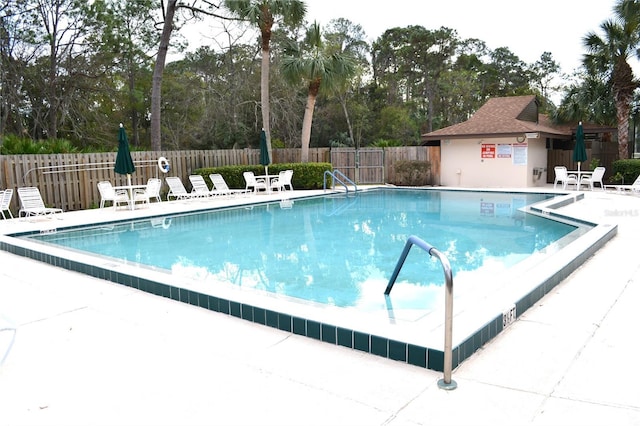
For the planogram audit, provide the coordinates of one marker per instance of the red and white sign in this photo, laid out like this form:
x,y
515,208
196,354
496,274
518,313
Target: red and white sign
x,y
488,150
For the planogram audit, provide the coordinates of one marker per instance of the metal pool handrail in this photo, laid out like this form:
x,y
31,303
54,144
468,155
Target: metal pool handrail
x,y
337,176
445,383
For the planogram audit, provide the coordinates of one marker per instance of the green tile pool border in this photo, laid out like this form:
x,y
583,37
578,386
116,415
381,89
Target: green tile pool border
x,y
329,333
416,355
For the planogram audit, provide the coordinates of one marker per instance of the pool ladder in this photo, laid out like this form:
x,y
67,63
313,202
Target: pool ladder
x,y
446,382
339,177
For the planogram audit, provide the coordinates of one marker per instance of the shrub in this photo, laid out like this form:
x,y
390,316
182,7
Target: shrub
x,y
13,145
384,143
305,175
412,172
625,171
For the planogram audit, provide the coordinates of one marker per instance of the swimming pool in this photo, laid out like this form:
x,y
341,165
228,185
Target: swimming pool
x,y
337,251
319,267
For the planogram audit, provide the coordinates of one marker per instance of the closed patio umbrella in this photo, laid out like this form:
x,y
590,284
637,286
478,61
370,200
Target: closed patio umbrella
x,y
264,152
579,151
124,162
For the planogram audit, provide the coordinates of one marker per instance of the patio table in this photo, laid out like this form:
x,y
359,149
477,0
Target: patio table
x,y
131,191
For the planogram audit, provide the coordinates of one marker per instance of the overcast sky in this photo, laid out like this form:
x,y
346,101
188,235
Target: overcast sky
x,y
527,28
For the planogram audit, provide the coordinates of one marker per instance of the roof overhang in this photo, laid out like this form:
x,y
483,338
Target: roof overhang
x,y
515,135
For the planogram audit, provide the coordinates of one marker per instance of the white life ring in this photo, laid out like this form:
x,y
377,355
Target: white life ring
x,y
163,164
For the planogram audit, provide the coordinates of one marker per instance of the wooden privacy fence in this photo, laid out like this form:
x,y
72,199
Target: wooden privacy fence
x,y
69,181
375,165
601,149
412,153
363,166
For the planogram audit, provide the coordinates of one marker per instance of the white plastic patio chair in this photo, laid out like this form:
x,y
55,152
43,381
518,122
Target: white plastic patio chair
x,y
564,178
108,194
152,190
32,204
177,191
5,202
283,181
199,186
596,177
221,187
634,188
253,184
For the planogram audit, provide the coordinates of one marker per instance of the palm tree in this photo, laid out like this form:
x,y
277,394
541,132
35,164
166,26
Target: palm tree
x,y
264,13
610,54
315,64
591,100
348,38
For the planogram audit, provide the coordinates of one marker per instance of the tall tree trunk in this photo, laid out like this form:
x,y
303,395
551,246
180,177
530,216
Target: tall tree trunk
x,y
624,86
307,120
135,133
4,106
622,114
158,69
264,96
265,42
52,128
343,102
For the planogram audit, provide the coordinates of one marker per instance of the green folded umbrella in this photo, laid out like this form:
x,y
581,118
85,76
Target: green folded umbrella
x,y
264,152
124,162
579,151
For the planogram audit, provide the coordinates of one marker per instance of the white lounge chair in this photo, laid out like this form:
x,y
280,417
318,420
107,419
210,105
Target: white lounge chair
x,y
177,191
634,188
564,178
283,181
596,177
108,194
199,186
253,184
31,203
221,187
5,202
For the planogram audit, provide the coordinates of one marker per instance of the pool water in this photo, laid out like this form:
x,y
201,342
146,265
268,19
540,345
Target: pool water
x,y
335,250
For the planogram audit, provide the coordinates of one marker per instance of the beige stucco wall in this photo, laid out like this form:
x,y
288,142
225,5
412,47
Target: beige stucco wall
x,y
512,165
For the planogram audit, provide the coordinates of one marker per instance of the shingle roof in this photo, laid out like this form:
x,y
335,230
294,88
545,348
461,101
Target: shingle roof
x,y
508,116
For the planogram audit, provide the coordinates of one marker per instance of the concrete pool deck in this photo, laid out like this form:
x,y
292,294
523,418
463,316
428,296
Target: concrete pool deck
x,y
79,350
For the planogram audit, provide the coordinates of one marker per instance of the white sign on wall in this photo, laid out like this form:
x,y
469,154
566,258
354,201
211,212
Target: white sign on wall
x,y
519,154
504,150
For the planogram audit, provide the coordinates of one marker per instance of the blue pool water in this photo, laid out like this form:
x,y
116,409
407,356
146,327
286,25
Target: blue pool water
x,y
335,250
